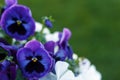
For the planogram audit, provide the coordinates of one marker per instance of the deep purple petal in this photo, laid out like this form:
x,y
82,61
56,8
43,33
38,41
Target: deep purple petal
x,y
12,71
65,35
49,46
10,2
69,52
34,45
3,76
12,28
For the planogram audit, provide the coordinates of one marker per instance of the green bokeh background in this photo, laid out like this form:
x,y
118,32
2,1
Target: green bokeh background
x,y
95,26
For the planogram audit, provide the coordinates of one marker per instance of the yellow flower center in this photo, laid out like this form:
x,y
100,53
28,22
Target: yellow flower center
x,y
18,22
34,59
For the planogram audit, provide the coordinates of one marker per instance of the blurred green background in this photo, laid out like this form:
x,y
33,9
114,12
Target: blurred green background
x,y
95,26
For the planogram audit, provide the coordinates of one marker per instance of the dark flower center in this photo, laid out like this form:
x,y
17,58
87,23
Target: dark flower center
x,y
17,27
34,64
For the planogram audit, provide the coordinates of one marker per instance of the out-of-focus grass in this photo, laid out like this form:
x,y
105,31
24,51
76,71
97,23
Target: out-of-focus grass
x,y
95,26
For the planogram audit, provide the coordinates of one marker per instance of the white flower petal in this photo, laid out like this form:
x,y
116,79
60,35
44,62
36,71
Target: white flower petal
x,y
38,27
79,77
60,68
84,65
56,49
52,37
88,71
92,74
46,31
75,56
68,75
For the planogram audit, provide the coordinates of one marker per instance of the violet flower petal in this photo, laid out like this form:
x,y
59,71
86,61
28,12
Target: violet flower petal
x,y
10,2
49,46
65,35
34,45
3,76
23,56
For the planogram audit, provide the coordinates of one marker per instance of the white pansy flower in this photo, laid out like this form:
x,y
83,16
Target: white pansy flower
x,y
38,27
88,71
62,72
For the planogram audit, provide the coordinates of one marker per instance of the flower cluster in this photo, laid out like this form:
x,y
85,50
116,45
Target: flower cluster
x,y
29,51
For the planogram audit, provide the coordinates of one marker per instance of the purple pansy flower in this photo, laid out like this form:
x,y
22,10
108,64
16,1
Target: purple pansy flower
x,y
60,50
17,22
7,70
63,42
34,60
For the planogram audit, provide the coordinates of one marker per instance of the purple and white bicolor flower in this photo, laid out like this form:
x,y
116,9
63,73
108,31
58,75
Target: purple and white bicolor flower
x,y
60,50
17,22
34,61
